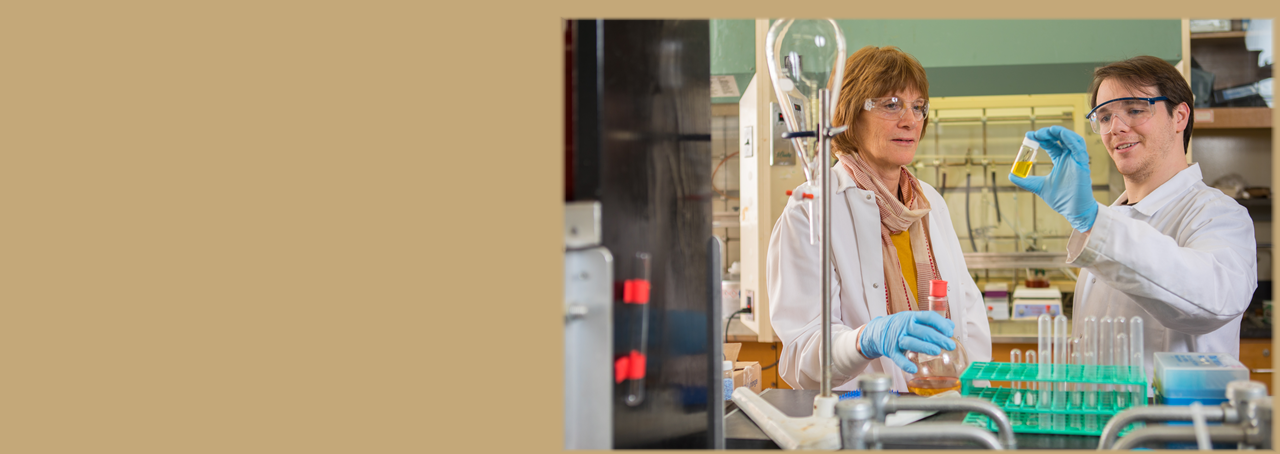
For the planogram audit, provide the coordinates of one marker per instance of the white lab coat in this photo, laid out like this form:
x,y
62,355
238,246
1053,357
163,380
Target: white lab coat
x,y
857,286
1184,259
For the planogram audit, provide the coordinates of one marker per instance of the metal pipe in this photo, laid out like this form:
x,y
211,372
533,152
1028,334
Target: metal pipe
x,y
1159,413
971,404
1139,437
926,432
824,167
968,224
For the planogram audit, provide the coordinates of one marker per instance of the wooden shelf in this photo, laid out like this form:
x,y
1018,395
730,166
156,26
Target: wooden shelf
x,y
1233,118
1214,35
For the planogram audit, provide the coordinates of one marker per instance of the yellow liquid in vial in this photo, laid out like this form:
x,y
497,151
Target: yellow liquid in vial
x,y
1022,168
928,386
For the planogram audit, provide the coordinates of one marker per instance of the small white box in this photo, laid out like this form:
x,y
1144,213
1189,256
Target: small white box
x,y
1209,25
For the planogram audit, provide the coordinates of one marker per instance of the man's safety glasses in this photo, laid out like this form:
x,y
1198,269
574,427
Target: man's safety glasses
x,y
892,108
1132,111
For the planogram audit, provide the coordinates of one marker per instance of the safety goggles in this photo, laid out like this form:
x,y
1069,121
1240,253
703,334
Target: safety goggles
x,y
1132,111
892,108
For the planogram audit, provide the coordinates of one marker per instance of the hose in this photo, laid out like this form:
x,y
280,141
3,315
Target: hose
x,y
995,196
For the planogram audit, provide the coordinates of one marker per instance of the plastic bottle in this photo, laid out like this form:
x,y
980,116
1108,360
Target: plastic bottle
x,y
938,373
728,380
1026,157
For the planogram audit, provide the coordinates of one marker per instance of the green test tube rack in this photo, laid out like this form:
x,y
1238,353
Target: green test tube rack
x,y
1070,412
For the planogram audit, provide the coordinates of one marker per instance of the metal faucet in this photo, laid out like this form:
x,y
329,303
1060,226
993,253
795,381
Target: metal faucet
x,y
1245,418
860,430
875,390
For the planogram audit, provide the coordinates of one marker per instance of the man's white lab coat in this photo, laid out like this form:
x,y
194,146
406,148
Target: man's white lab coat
x,y
857,284
1184,259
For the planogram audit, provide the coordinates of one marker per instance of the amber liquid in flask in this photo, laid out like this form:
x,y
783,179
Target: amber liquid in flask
x,y
928,386
939,373
1026,157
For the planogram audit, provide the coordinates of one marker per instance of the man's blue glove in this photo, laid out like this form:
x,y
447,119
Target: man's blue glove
x,y
1068,188
917,331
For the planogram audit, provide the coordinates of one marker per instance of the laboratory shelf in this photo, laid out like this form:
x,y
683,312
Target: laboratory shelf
x,y
1092,396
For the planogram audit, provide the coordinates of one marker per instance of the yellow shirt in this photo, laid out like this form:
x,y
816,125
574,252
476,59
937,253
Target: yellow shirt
x,y
902,242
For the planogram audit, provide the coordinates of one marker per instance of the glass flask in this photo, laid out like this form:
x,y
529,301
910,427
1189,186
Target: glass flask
x,y
937,373
1026,157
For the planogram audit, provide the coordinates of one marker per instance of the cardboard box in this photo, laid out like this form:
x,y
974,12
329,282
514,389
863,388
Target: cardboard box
x,y
745,373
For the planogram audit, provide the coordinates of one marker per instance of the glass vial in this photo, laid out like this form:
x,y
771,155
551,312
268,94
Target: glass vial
x,y
1026,157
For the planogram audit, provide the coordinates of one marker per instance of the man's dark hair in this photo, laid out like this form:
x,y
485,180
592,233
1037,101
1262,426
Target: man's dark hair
x,y
1137,73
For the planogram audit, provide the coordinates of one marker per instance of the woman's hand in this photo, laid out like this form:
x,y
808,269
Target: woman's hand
x,y
917,331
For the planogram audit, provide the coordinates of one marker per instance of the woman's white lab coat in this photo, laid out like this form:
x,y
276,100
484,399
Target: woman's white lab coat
x,y
857,285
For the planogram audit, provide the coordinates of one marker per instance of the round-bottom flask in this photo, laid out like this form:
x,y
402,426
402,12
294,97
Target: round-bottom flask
x,y
939,373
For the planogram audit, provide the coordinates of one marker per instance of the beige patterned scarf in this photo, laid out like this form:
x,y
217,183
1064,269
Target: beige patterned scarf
x,y
895,217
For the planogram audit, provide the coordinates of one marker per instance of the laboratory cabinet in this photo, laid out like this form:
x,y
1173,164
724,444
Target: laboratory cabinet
x,y
1256,355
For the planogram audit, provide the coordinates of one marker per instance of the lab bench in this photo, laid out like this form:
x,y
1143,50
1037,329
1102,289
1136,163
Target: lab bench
x,y
1006,335
741,432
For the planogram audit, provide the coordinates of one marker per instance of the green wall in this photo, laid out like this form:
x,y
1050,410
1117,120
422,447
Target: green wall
x,y
733,53
980,57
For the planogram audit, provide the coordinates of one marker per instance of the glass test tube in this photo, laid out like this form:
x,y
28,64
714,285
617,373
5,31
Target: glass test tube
x,y
1045,355
1076,358
1120,325
1059,369
1091,358
1106,336
1031,385
1136,335
1015,358
1122,360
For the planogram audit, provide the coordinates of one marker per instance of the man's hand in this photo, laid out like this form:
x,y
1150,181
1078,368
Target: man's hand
x,y
1067,189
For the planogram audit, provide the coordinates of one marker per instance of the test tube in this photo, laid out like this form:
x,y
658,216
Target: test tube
x,y
1106,337
1138,360
1059,369
1122,363
1045,354
1091,358
1120,325
1076,358
1015,358
1032,385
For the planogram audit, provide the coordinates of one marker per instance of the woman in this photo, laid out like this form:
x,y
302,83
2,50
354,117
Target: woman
x,y
890,235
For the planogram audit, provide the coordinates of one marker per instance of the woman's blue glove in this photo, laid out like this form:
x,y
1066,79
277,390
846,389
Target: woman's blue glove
x,y
1068,188
917,331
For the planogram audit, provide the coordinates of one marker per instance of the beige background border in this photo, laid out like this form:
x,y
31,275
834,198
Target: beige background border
x,y
306,226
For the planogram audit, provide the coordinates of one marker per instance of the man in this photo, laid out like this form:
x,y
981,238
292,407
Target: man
x,y
1171,250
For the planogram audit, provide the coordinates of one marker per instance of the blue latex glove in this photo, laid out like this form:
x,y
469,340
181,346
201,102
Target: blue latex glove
x,y
1068,188
917,331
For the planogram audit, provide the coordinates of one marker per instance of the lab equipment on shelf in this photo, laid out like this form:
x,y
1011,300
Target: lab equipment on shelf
x,y
1029,303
